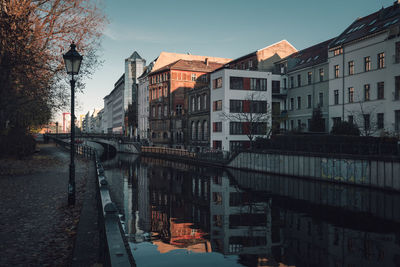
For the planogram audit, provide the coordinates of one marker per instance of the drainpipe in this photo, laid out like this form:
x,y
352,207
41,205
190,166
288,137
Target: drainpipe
x,y
343,86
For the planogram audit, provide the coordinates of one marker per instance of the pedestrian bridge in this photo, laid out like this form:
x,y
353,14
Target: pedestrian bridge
x,y
118,142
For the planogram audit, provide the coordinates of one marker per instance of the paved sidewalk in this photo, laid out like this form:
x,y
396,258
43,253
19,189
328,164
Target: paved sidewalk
x,y
37,228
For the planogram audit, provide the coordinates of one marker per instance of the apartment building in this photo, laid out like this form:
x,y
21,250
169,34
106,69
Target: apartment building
x,y
241,107
114,108
168,87
305,79
143,129
199,116
365,73
265,59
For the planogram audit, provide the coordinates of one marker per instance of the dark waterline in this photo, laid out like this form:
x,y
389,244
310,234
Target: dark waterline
x,y
177,214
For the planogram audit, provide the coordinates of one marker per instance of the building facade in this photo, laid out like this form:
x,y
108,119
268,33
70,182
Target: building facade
x,y
241,107
305,78
143,103
199,117
364,64
114,112
168,87
134,67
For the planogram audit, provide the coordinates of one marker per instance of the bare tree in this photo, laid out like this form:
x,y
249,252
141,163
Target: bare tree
x,y
33,36
365,118
251,116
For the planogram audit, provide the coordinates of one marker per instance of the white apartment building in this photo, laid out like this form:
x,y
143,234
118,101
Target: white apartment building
x,y
234,95
114,112
365,73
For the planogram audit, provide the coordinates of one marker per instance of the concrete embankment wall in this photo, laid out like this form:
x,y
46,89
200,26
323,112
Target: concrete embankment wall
x,y
373,172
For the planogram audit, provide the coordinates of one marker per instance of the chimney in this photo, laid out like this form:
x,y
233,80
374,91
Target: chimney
x,y
206,61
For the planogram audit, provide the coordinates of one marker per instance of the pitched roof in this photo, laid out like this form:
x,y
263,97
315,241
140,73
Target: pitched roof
x,y
382,20
135,55
309,56
166,58
190,65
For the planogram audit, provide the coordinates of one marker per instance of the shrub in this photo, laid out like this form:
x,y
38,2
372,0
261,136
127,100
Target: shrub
x,y
345,128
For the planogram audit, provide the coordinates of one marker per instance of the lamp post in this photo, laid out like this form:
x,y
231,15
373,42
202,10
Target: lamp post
x,y
72,60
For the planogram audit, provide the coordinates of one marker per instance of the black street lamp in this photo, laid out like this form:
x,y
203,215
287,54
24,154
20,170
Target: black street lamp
x,y
72,60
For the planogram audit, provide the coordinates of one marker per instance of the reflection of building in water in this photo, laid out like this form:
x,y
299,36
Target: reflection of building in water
x,y
178,210
265,220
318,243
243,223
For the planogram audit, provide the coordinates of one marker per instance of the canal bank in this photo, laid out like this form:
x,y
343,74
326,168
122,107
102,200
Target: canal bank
x,y
371,171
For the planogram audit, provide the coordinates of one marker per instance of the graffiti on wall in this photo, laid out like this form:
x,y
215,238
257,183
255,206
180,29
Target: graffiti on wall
x,y
345,170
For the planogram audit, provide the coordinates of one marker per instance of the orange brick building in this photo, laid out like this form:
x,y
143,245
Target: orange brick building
x,y
168,87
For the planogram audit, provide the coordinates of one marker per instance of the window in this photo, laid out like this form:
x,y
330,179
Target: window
x,y
193,77
321,75
380,120
258,84
205,101
284,83
178,109
250,64
367,63
217,83
299,124
351,94
381,90
276,86
397,55
217,105
217,127
309,77
205,130
336,71
337,51
194,130
198,102
193,104
397,120
291,82
321,99
217,144
165,110
397,88
351,67
153,111
336,97
291,103
366,121
366,92
308,101
291,124
381,60
235,106
336,120
298,102
298,80
199,131
165,91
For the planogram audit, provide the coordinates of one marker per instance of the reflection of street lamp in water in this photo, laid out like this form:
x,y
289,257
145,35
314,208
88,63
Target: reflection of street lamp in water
x,y
72,60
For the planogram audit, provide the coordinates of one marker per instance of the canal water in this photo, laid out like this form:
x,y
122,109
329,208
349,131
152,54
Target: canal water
x,y
177,214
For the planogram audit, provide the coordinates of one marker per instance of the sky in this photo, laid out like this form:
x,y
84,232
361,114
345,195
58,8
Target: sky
x,y
219,28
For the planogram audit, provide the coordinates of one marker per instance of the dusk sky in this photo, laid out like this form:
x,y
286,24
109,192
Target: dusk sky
x,y
220,28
